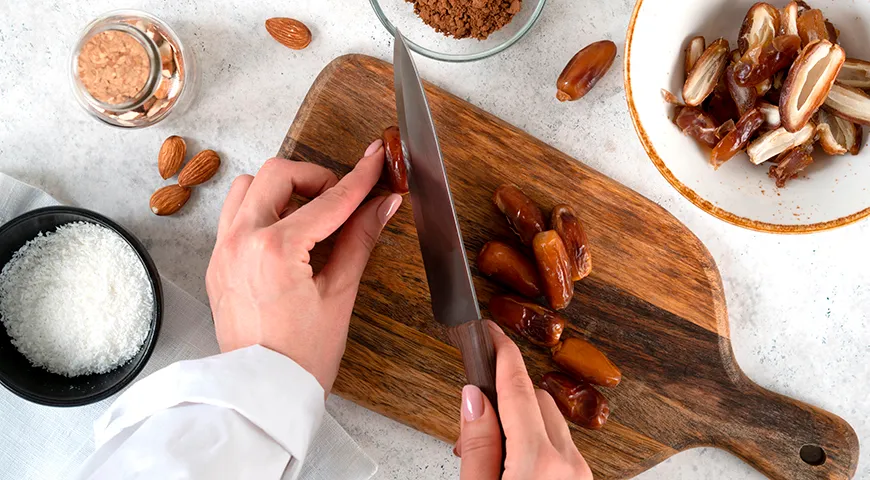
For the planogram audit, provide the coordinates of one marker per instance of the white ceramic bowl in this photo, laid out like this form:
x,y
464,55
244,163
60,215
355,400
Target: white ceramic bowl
x,y
833,192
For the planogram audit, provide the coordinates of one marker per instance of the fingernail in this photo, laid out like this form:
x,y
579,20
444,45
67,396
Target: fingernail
x,y
373,147
495,327
389,207
456,449
472,403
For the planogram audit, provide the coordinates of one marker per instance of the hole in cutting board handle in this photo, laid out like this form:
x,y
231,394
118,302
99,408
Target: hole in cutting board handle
x,y
813,455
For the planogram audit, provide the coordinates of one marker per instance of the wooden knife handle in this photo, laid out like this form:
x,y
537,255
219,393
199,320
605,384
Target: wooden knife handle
x,y
478,355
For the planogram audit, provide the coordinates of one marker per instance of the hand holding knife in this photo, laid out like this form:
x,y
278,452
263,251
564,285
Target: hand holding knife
x,y
454,302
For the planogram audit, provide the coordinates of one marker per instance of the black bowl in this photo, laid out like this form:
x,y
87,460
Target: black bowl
x,y
37,384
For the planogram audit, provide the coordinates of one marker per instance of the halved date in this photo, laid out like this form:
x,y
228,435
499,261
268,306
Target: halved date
x,y
838,136
582,360
764,61
509,267
772,120
812,26
706,74
790,163
855,73
579,402
584,70
774,142
394,162
744,97
720,105
849,103
538,324
788,17
522,213
808,83
698,125
554,265
738,138
694,50
759,27
566,223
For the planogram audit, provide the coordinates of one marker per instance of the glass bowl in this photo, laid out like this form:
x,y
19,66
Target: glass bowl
x,y
424,40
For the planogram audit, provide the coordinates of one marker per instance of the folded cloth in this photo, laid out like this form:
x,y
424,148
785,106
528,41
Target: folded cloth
x,y
38,442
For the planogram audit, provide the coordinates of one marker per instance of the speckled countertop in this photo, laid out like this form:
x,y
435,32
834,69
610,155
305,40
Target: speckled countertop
x,y
799,306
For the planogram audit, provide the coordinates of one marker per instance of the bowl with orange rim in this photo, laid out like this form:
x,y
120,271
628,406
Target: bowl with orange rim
x,y
832,192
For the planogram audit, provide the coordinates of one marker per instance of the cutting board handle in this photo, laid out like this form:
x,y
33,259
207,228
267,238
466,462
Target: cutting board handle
x,y
784,438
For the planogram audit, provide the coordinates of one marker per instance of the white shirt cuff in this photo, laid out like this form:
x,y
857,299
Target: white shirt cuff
x,y
270,390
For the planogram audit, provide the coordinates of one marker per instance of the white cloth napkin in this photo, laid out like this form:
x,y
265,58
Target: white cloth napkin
x,y
38,442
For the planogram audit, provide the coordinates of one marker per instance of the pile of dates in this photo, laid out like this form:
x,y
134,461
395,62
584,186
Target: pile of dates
x,y
559,257
786,87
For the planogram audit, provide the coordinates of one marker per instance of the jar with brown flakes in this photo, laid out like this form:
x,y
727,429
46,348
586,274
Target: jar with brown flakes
x,y
129,69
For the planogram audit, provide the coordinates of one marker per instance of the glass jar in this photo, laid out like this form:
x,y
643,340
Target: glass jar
x,y
129,69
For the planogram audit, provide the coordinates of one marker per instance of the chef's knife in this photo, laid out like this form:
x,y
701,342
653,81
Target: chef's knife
x,y
454,302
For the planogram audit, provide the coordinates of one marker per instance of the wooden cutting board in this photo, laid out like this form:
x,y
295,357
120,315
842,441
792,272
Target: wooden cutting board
x,y
654,302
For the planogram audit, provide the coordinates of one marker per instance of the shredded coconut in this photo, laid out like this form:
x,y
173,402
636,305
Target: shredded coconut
x,y
76,301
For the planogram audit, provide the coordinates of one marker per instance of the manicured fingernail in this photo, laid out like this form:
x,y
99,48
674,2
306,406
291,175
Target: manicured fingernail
x,y
472,403
373,147
389,207
494,327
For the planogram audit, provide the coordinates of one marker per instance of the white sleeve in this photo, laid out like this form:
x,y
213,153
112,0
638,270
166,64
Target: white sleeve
x,y
250,413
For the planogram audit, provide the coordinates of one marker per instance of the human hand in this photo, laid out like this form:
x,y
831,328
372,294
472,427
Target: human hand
x,y
539,444
260,284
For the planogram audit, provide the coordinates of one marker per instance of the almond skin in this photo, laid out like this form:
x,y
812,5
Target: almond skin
x,y
289,32
171,156
169,200
199,169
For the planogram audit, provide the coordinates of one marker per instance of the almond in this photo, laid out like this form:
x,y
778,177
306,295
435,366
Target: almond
x,y
169,200
289,32
200,168
171,156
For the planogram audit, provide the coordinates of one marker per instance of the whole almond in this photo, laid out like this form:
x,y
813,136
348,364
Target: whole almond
x,y
171,156
169,199
200,168
289,32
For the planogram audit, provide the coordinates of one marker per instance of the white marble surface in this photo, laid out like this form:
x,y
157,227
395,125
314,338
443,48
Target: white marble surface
x,y
800,306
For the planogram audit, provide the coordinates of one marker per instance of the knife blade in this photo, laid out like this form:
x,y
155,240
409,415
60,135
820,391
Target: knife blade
x,y
454,301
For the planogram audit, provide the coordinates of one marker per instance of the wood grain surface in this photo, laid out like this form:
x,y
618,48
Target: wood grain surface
x,y
654,302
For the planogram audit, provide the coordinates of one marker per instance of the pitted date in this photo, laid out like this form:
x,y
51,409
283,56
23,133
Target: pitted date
x,y
698,125
509,267
579,402
764,61
394,161
524,216
539,325
554,265
738,139
568,226
582,360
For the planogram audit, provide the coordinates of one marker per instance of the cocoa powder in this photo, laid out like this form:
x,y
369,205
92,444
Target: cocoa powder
x,y
466,18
